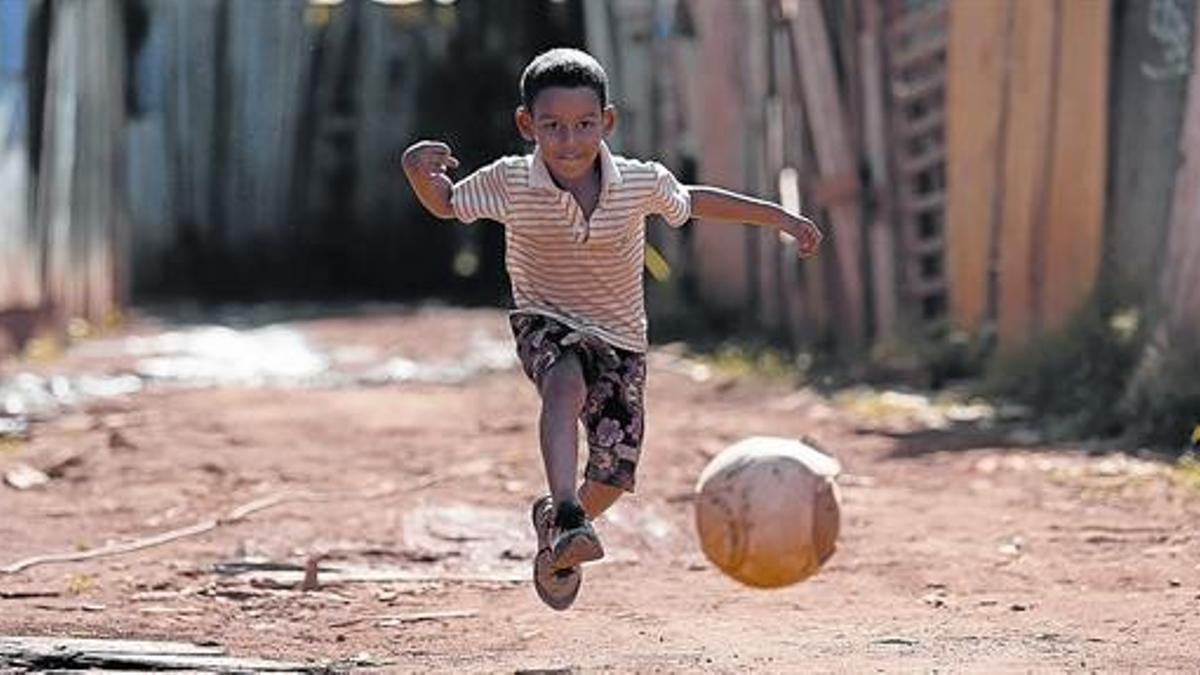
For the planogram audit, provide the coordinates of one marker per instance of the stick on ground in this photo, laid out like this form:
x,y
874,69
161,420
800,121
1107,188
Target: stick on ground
x,y
236,515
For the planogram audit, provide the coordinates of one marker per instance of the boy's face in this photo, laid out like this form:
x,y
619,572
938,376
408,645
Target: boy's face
x,y
568,124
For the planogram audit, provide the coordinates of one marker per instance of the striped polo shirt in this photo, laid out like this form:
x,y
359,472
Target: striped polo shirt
x,y
584,273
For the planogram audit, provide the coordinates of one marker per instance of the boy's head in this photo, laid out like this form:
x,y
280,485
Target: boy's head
x,y
565,110
566,68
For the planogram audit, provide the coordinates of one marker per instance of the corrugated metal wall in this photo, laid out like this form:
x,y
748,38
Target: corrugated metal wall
x,y
261,159
63,219
18,280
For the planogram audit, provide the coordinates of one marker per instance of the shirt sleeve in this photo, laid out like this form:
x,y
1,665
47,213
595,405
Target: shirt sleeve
x,y
670,198
482,194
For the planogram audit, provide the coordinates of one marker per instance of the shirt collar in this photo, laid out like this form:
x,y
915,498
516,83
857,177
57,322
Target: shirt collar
x,y
539,174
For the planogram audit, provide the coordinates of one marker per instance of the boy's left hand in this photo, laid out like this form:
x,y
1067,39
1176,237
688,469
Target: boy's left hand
x,y
806,233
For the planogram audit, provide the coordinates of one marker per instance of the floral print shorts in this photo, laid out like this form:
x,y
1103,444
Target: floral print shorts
x,y
613,413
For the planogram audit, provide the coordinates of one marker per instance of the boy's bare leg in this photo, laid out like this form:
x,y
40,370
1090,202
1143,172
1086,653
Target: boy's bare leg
x,y
597,497
563,393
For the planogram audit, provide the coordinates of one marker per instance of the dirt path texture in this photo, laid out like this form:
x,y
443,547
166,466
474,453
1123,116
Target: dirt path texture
x,y
386,459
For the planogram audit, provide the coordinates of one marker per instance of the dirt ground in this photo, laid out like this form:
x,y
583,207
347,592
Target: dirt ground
x,y
956,554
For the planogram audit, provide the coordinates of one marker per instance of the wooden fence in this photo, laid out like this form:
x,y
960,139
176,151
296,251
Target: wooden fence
x,y
957,153
1028,115
791,99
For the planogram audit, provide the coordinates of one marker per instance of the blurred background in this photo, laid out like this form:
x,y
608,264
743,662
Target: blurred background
x,y
1008,186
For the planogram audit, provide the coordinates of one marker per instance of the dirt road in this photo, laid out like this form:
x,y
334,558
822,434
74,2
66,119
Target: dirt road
x,y
399,461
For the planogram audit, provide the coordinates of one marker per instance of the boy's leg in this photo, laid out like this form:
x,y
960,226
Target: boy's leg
x,y
614,415
563,391
596,497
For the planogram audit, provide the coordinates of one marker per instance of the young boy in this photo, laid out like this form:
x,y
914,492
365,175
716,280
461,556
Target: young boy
x,y
574,215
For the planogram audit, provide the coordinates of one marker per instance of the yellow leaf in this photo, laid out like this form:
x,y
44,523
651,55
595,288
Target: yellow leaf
x,y
656,264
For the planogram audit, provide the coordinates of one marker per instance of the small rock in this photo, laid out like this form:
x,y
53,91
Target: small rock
x,y
119,441
25,477
1013,547
934,600
907,642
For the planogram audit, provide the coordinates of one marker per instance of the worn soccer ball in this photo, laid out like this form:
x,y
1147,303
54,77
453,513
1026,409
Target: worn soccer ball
x,y
768,511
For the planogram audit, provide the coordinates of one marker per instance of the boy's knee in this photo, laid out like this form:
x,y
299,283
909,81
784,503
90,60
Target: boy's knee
x,y
564,381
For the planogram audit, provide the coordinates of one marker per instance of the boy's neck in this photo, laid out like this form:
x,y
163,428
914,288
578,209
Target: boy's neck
x,y
588,183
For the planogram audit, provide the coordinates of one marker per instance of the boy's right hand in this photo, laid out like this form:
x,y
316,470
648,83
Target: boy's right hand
x,y
426,162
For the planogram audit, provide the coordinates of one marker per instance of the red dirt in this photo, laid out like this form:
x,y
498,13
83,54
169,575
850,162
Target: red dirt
x,y
988,559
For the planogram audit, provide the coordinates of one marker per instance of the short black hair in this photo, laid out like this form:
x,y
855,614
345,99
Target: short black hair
x,y
563,67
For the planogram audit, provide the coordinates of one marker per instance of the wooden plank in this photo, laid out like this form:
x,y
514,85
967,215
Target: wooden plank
x,y
843,26
1027,167
881,237
974,102
835,155
719,250
805,301
49,645
79,211
331,576
1072,232
761,245
89,653
830,190
1150,90
1180,279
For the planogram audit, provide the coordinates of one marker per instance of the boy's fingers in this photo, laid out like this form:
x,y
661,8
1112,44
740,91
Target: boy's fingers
x,y
451,162
437,163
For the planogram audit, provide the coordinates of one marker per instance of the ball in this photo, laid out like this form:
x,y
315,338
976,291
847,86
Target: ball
x,y
768,511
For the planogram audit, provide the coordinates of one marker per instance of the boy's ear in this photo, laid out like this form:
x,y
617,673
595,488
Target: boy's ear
x,y
524,123
608,118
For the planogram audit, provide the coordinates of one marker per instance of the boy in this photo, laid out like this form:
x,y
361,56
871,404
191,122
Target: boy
x,y
574,216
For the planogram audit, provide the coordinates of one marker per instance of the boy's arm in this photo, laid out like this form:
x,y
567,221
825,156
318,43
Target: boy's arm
x,y
711,203
425,164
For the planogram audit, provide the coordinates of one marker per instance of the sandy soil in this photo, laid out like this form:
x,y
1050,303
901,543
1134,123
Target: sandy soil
x,y
952,557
